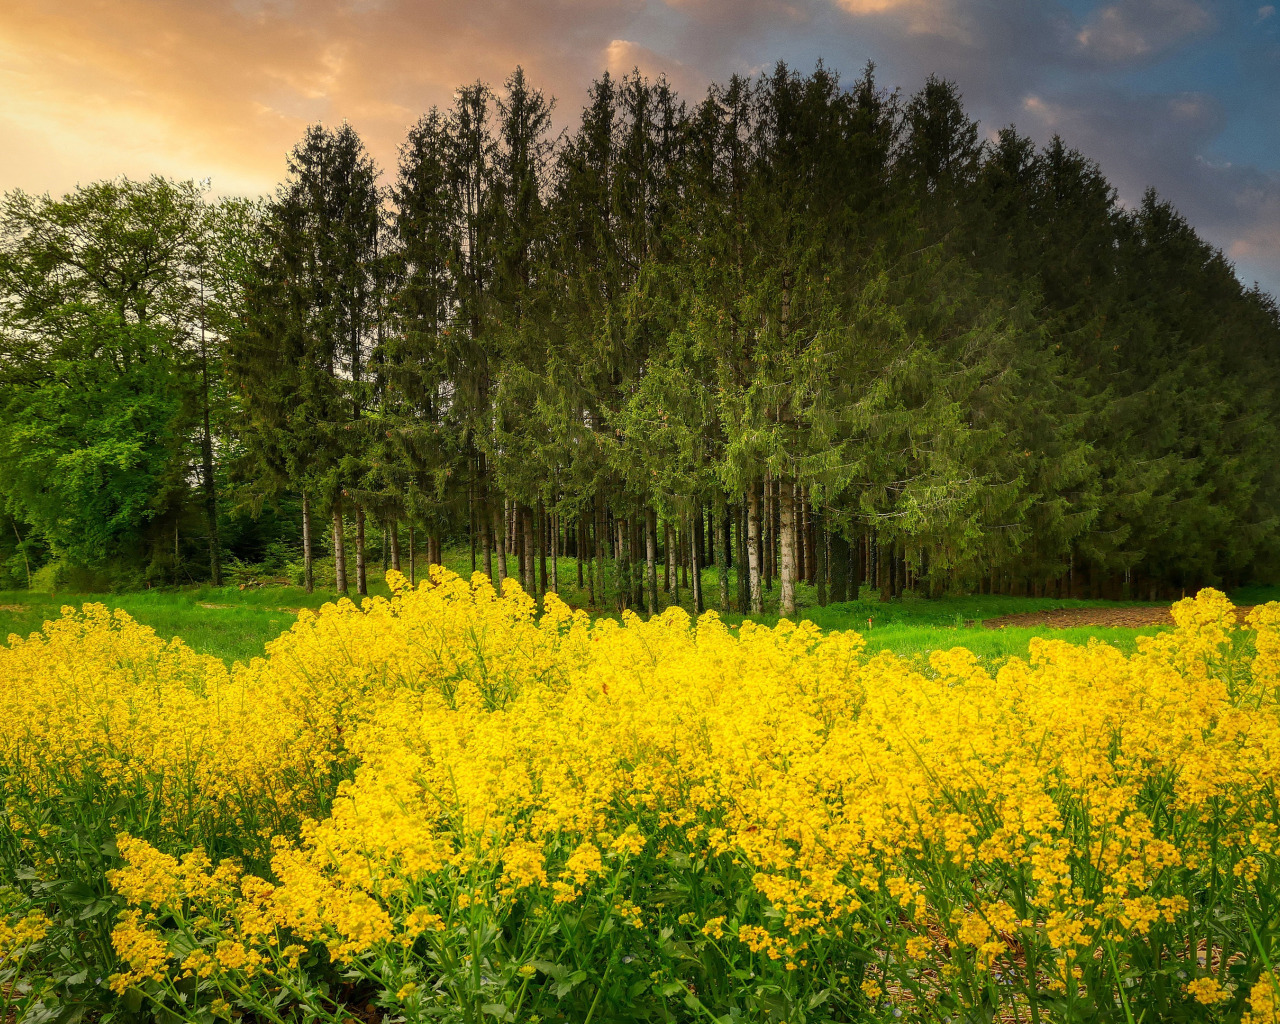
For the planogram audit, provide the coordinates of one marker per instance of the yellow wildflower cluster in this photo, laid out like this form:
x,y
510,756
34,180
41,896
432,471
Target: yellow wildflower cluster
x,y
474,807
18,934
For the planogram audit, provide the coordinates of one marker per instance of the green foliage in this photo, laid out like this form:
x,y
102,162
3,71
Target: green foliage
x,y
963,357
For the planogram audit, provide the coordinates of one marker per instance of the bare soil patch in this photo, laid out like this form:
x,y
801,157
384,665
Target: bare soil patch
x,y
1065,618
13,607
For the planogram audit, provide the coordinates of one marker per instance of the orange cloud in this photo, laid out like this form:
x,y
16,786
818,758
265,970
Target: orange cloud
x,y
622,56
920,17
225,87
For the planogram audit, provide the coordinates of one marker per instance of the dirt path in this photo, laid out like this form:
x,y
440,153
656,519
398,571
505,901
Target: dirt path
x,y
1065,618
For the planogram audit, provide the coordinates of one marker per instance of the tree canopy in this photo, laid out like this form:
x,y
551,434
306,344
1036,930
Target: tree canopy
x,y
817,329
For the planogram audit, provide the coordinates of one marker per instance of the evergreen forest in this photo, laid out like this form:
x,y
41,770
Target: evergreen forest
x,y
797,329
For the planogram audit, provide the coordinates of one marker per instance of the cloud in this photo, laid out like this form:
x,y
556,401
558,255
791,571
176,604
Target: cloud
x,y
191,88
622,56
1158,141
1133,30
227,86
918,17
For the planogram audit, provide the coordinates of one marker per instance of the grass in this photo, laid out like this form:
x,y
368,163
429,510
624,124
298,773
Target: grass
x,y
914,627
235,624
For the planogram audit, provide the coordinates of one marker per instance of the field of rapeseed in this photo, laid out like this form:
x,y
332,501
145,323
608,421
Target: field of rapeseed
x,y
440,807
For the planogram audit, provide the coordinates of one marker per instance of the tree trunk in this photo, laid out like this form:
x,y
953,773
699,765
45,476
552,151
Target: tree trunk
x,y
673,559
755,549
803,555
602,540
581,547
555,551
521,536
471,524
394,530
485,513
769,534
362,583
839,568
386,548
787,553
651,558
722,563
413,557
683,547
695,565
623,558
206,456
308,566
542,548
668,555
500,535
740,537
339,551
820,558
486,539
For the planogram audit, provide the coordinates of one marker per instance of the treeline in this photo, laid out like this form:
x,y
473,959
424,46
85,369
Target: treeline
x,y
811,331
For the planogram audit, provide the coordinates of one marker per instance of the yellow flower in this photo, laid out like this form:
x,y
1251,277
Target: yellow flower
x,y
1207,991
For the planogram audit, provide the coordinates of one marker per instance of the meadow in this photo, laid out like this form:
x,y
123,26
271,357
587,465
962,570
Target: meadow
x,y
451,805
235,624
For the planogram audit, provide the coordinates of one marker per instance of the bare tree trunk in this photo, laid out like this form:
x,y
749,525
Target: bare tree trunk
x,y
542,547
683,546
362,583
529,526
787,555
623,561
602,540
674,557
720,520
668,556
695,563
743,559
651,558
754,550
555,551
639,560
486,538
206,457
820,557
581,551
770,533
516,540
386,548
395,544
803,555
413,557
308,566
839,568
500,535
339,550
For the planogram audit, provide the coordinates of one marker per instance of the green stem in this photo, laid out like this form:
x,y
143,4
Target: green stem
x,y
1115,969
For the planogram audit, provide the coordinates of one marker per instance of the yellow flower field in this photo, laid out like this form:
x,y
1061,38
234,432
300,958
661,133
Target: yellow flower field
x,y
443,807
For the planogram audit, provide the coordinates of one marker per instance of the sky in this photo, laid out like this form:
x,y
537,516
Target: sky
x,y
1182,95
